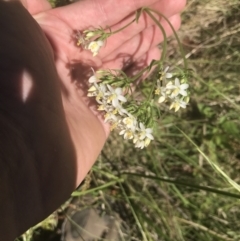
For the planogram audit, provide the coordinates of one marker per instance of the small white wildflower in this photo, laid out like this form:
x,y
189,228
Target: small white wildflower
x,y
145,132
139,144
120,110
95,46
88,34
177,88
114,125
92,91
127,134
147,142
165,75
130,122
104,106
177,103
101,93
162,99
110,116
163,92
93,79
144,137
115,95
93,88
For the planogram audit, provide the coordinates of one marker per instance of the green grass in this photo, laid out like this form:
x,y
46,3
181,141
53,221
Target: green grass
x,y
196,148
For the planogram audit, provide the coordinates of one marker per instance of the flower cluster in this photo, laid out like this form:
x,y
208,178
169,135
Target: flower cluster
x,y
134,118
112,101
176,92
85,41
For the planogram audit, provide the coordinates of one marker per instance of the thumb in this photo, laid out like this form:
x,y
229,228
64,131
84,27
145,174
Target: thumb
x,y
36,6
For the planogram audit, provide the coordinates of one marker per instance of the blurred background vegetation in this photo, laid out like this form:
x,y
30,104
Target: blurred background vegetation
x,y
168,200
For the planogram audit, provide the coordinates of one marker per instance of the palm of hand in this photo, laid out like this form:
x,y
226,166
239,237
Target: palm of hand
x,y
87,129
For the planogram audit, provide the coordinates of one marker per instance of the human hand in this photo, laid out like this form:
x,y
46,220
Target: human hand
x,y
137,43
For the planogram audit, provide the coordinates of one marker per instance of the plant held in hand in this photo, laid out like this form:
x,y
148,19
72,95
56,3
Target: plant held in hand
x,y
135,119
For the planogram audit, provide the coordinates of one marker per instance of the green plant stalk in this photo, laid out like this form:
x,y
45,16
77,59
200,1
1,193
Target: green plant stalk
x,y
148,10
151,93
179,182
122,28
134,214
81,193
213,165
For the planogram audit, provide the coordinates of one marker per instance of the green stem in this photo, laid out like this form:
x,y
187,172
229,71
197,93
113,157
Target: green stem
x,y
174,32
184,183
133,212
148,11
82,193
151,92
120,29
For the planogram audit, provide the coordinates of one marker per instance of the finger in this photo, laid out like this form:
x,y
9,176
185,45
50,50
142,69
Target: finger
x,y
85,14
139,45
36,6
144,22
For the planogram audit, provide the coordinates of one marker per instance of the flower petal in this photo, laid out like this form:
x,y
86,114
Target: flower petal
x,y
122,98
92,79
183,92
169,75
177,82
184,86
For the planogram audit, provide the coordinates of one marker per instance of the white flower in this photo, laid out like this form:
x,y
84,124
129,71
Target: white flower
x,y
145,132
95,46
177,88
142,143
165,75
88,34
92,91
144,137
164,94
177,103
93,79
120,110
110,116
139,144
114,125
115,95
101,93
147,142
103,106
130,122
127,133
